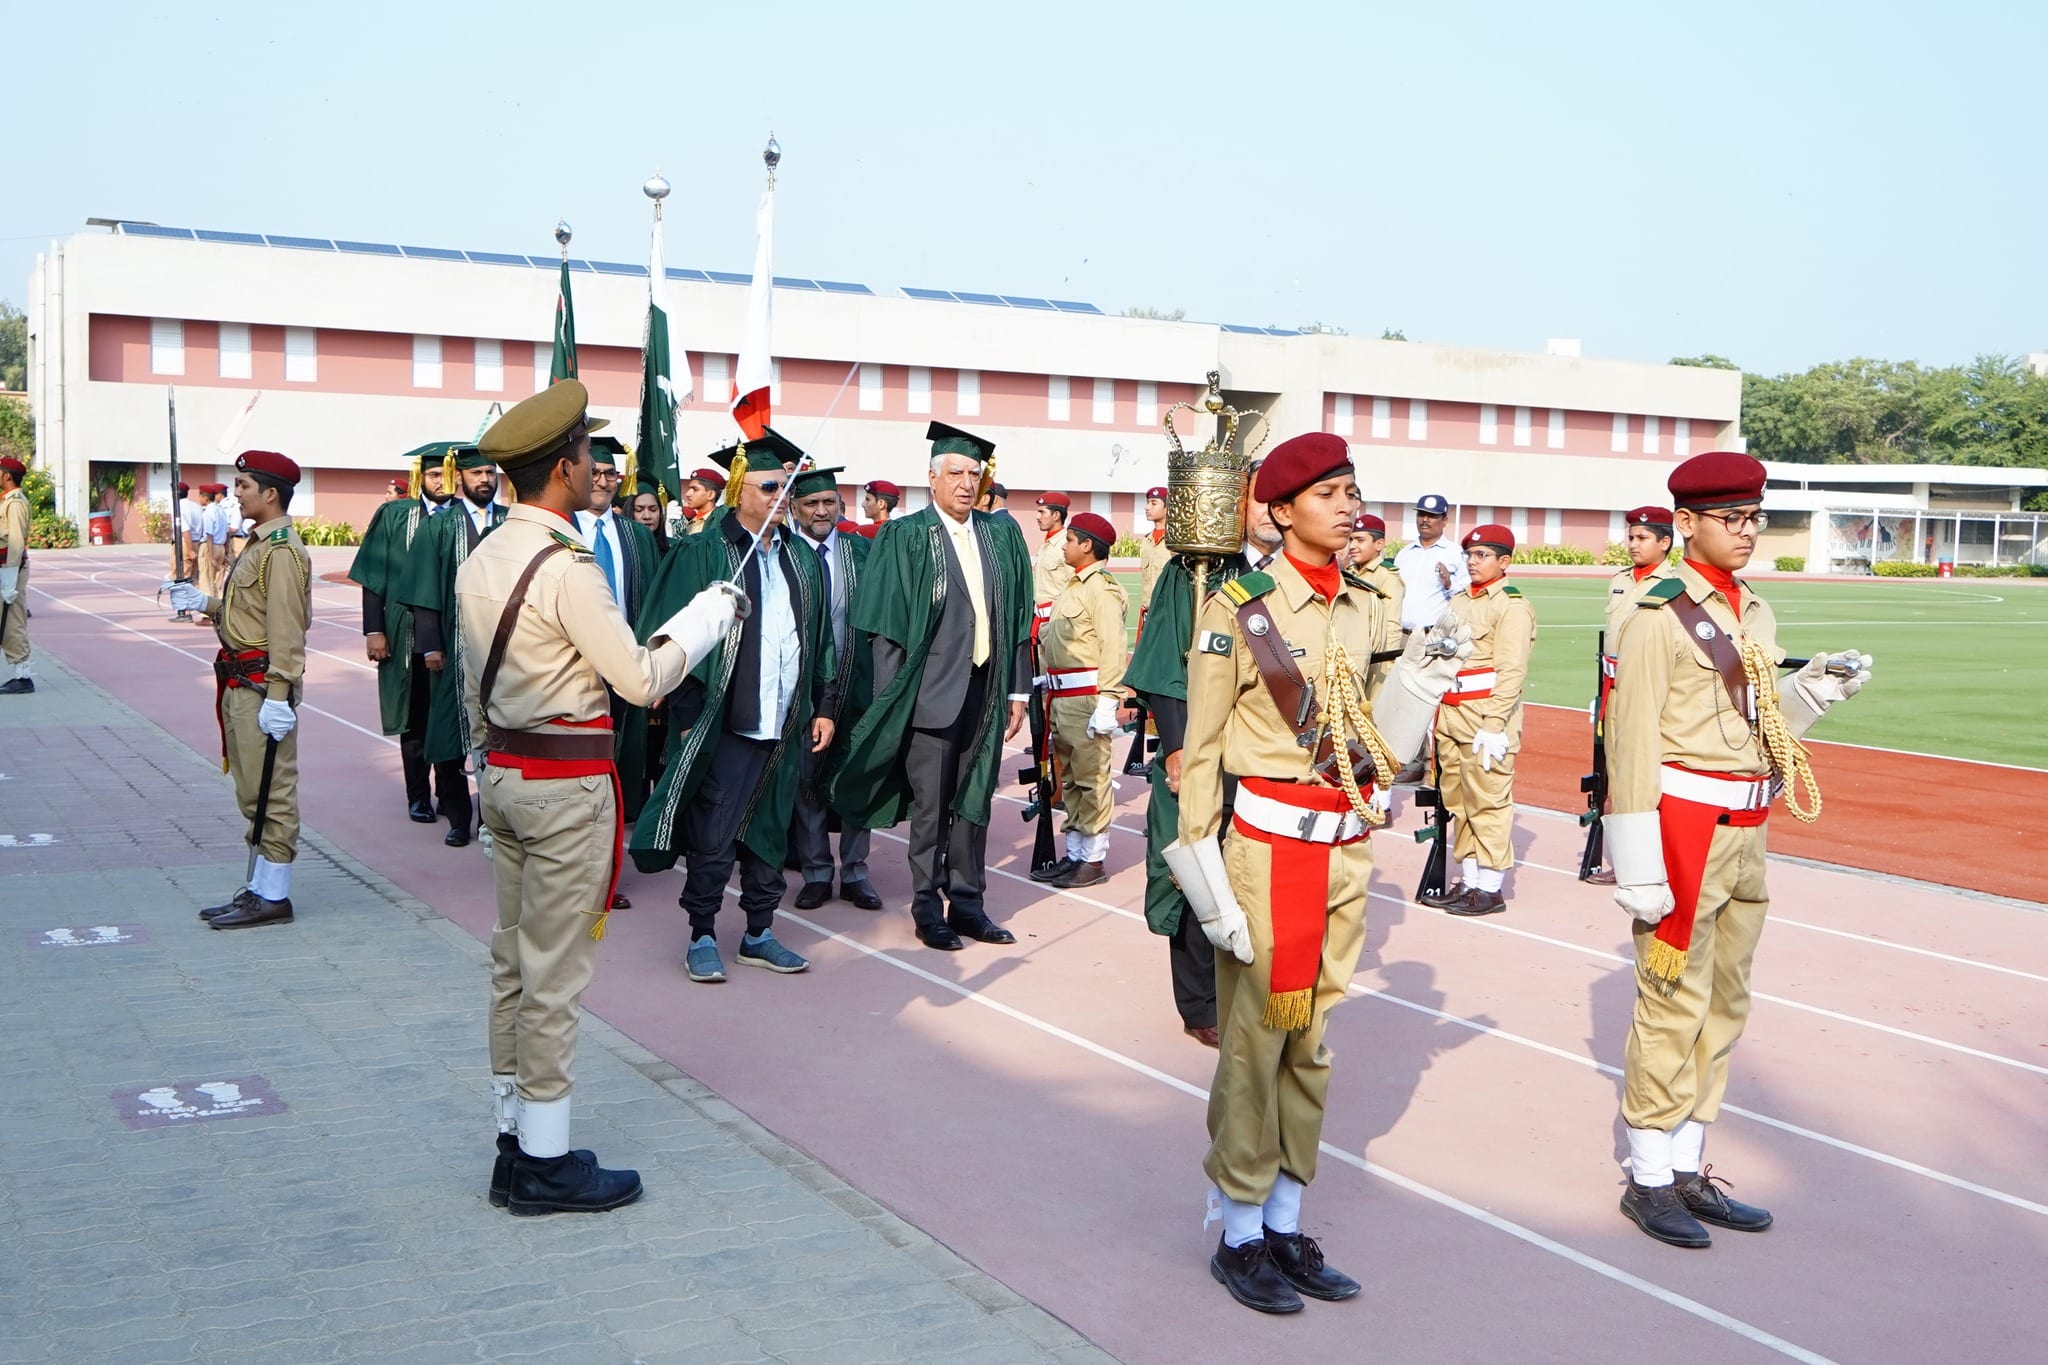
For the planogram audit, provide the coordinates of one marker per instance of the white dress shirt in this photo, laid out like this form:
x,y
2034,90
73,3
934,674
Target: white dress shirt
x,y
1424,595
781,651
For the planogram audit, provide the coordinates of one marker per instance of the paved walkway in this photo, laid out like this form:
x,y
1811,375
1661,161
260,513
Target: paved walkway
x,y
273,1145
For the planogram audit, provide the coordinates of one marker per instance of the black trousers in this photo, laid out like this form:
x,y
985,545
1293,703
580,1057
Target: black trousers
x,y
711,840
1193,961
948,854
451,786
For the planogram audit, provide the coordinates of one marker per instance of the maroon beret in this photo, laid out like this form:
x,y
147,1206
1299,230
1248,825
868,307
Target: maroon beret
x,y
1366,521
184,487
14,466
882,488
1156,491
1089,524
1719,478
1059,500
1298,463
1650,516
710,478
1493,535
268,464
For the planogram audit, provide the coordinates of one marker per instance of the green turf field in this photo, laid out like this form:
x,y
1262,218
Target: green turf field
x,y
1960,665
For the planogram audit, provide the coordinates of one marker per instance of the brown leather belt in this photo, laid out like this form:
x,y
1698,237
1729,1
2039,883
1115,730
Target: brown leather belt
x,y
586,746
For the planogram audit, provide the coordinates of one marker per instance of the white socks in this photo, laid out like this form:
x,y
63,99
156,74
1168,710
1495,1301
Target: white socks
x,y
1468,871
544,1127
505,1102
1486,878
1283,1206
1242,1222
1649,1157
1087,848
272,881
1687,1141
21,670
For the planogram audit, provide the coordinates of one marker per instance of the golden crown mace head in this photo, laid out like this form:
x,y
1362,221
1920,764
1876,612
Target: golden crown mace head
x,y
1205,487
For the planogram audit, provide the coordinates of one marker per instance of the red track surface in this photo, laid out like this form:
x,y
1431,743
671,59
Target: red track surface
x,y
1038,1109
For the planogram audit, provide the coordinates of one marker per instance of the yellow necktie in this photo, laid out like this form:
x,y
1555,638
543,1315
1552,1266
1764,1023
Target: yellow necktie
x,y
970,572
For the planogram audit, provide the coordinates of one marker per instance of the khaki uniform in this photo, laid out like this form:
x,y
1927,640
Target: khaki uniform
x,y
1670,706
1153,556
1384,577
266,605
1083,637
1266,1103
1624,590
14,524
555,839
1503,634
1049,572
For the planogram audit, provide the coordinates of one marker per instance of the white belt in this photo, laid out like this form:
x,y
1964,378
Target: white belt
x,y
1607,663
1070,682
1728,793
1042,610
1268,816
1471,686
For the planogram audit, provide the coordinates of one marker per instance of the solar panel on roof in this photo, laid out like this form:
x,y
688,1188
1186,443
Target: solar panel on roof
x,y
432,253
366,248
786,282
930,295
1069,306
995,300
842,287
1240,328
238,238
697,275
1283,331
727,277
1015,302
152,230
618,268
302,243
495,258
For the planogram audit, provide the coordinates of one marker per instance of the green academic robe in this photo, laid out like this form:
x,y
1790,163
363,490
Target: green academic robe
x,y
856,690
381,564
629,745
438,551
903,587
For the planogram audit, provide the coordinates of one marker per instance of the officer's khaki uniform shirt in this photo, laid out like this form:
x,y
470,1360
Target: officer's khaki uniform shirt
x,y
267,604
1153,556
1049,572
1087,629
1624,590
1503,636
14,524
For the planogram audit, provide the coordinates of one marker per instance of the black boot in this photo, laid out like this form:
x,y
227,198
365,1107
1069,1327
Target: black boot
x,y
570,1183
1299,1259
501,1169
1697,1191
1252,1279
1657,1210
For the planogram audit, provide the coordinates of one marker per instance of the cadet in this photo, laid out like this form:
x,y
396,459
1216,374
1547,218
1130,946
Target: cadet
x,y
878,502
261,617
1284,899
1049,571
1368,561
1700,735
1649,548
545,639
700,496
1153,555
14,524
1082,652
1479,729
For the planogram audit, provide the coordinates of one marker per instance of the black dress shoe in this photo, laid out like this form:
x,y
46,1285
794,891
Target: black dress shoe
x,y
1454,894
1658,1210
619,901
456,838
421,812
1698,1191
1299,1259
17,687
213,912
813,895
1080,874
942,938
1477,902
253,912
981,930
1053,871
1249,1274
501,1169
861,894
570,1183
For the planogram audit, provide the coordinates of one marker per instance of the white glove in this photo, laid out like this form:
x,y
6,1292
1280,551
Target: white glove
x,y
10,582
1635,849
1490,747
703,621
1806,696
1382,799
276,718
1103,721
1404,709
1199,871
184,597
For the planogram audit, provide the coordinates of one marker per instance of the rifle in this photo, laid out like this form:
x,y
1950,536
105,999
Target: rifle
x,y
1594,784
1039,777
1138,763
1436,868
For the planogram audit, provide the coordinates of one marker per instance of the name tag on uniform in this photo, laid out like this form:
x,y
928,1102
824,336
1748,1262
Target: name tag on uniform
x,y
1213,642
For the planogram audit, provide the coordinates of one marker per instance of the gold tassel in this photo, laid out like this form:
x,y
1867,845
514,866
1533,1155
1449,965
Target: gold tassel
x,y
988,477
736,474
418,486
597,929
1665,964
448,484
1290,1010
630,483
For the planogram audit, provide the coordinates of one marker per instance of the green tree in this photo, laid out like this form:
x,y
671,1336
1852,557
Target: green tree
x,y
13,347
17,430
1392,334
1157,314
1706,362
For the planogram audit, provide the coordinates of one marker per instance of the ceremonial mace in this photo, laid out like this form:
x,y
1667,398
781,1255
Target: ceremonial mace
x,y
1205,490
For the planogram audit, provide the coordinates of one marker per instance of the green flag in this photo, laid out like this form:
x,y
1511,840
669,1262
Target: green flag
x,y
564,364
658,392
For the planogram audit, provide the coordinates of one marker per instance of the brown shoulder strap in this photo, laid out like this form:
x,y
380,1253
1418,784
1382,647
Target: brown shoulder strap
x,y
1291,693
506,622
1720,650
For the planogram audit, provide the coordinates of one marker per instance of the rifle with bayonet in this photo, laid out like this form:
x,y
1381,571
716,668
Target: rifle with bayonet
x,y
1436,832
1594,784
1039,776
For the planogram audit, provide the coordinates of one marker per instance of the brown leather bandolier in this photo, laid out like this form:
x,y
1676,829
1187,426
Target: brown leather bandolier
x,y
507,620
1720,651
1295,698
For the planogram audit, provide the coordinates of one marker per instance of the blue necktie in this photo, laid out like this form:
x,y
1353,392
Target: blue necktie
x,y
605,562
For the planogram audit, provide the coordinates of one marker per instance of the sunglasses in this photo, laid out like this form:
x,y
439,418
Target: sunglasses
x,y
769,486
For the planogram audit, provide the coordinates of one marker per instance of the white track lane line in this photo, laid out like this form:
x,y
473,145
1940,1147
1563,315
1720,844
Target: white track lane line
x,y
1530,1236
338,658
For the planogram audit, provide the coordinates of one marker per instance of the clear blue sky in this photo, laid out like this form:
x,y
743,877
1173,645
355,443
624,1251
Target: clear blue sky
x,y
1779,183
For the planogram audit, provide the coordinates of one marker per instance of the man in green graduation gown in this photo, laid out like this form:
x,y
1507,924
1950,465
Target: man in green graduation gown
x,y
947,600
429,589
1158,673
745,718
626,556
381,566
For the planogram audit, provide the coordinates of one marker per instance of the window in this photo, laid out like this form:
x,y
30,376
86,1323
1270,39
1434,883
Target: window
x,y
166,346
774,383
1489,424
871,388
235,360
1518,522
1555,439
967,394
301,355
1340,415
543,364
1652,435
1553,527
1148,403
920,388
426,362
1619,441
1418,419
1482,515
1058,390
1382,418
718,379
1681,437
1104,408
1617,527
490,365
1521,426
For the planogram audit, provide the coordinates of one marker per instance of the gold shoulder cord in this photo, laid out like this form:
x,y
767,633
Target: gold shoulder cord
x,y
1340,708
1787,755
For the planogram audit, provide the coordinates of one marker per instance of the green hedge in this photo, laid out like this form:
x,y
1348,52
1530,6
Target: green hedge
x,y
1553,554
1126,547
49,531
1789,563
314,531
1897,568
1615,555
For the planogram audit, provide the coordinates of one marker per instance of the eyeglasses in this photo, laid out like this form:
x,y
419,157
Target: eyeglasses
x,y
769,486
1737,522
611,475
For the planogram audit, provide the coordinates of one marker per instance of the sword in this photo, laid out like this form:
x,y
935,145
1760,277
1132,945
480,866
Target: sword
x,y
805,463
262,806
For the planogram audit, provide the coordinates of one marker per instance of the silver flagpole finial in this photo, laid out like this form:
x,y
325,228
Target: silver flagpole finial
x,y
655,187
562,235
771,157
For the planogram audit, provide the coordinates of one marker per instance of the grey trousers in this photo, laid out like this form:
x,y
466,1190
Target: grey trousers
x,y
810,836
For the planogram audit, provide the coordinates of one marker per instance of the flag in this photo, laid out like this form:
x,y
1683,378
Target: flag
x,y
756,370
564,365
655,452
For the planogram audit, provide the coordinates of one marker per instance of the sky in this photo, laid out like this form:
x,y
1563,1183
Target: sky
x,y
1782,184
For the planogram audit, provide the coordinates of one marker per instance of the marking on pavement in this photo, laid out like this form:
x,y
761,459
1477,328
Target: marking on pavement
x,y
166,1105
94,936
32,841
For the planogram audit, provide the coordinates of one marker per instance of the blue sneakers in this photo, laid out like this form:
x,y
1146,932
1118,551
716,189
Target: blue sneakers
x,y
703,963
766,952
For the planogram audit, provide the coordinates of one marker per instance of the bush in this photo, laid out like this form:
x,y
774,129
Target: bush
x,y
1126,547
1901,568
48,531
314,531
1553,554
156,525
1615,555
1789,563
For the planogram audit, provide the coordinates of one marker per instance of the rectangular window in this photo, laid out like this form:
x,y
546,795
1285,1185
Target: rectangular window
x,y
543,364
718,380
1148,403
1555,439
967,393
426,362
1681,437
1618,443
1418,419
301,355
920,388
774,383
1489,424
1518,522
235,360
1553,527
1382,419
1482,515
490,365
166,346
1340,415
1521,426
871,388
1104,407
1058,392
1617,527
1653,434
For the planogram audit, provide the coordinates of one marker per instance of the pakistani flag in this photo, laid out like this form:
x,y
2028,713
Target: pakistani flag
x,y
564,365
659,394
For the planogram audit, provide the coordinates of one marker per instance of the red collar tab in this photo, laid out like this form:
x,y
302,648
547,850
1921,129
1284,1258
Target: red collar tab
x,y
1722,579
1326,579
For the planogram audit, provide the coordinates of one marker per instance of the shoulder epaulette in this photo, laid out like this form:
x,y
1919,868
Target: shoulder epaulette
x,y
573,546
280,535
1357,580
1246,586
1662,591
1388,563
1510,590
